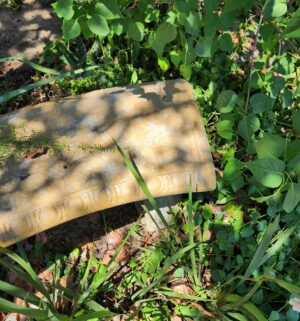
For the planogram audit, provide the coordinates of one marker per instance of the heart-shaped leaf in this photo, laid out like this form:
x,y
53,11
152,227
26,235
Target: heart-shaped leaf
x,y
260,102
98,25
274,8
292,29
71,29
267,171
226,101
224,128
292,197
232,174
165,33
136,31
108,9
163,63
270,146
248,126
64,9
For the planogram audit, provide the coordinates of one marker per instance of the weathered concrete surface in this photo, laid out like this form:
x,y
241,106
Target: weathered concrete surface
x,y
157,124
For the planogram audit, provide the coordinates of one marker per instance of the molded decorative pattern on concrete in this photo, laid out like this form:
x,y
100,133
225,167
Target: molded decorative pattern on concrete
x,y
158,124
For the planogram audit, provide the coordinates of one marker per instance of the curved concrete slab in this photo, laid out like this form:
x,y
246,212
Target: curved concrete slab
x,y
73,167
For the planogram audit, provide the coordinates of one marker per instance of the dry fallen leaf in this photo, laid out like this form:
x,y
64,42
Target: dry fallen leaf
x,y
181,287
46,276
36,152
86,248
114,239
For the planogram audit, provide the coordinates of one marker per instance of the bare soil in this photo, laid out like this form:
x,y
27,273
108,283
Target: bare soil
x,y
26,31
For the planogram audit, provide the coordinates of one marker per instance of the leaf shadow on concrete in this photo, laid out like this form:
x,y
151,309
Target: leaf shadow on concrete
x,y
65,183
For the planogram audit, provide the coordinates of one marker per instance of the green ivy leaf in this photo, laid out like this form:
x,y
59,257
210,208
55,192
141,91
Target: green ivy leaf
x,y
87,33
117,26
232,174
134,77
225,43
270,146
294,164
71,29
292,29
192,23
260,102
151,14
292,150
188,55
165,33
233,5
267,171
136,31
224,129
274,9
292,197
204,47
226,101
186,71
175,58
98,25
164,64
108,9
64,9
296,121
248,126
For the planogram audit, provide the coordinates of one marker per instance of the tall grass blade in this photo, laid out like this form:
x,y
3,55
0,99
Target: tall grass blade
x,y
29,275
200,253
172,294
101,275
237,316
33,65
282,238
86,273
253,311
263,254
45,70
257,259
95,315
95,306
162,273
191,232
19,293
248,307
143,186
293,289
4,59
22,90
8,307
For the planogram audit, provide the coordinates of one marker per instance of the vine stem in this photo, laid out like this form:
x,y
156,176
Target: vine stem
x,y
251,64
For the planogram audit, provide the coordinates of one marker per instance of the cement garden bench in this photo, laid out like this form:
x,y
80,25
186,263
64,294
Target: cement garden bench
x,y
73,167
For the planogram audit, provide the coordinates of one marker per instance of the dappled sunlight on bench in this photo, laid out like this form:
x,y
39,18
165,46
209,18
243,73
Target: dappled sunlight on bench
x,y
75,169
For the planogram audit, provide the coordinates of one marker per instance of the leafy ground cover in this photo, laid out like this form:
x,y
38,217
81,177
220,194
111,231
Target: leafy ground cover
x,y
228,255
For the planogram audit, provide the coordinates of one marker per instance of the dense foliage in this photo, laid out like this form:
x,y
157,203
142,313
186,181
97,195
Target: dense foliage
x,y
242,58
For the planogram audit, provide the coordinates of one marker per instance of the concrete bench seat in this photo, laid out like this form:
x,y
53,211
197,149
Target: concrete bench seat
x,y
73,167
